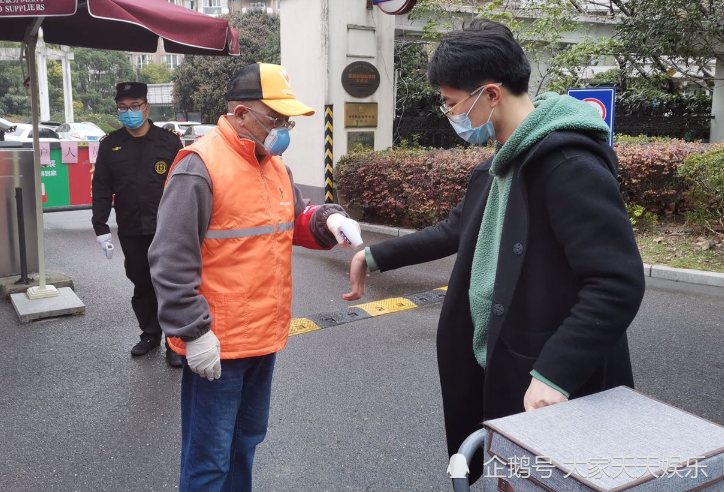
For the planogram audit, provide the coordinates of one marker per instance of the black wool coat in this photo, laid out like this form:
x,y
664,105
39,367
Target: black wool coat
x,y
569,282
129,176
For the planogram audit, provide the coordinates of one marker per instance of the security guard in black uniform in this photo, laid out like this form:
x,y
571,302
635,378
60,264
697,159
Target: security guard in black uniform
x,y
132,164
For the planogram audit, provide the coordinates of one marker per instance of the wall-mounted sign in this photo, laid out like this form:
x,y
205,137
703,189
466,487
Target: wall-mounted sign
x,y
360,79
395,7
66,179
356,140
603,100
360,115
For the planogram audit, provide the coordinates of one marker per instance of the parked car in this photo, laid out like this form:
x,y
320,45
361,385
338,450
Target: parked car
x,y
177,126
50,124
195,132
80,131
6,126
24,133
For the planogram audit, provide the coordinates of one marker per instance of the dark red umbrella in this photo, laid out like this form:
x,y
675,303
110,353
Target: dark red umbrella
x,y
127,25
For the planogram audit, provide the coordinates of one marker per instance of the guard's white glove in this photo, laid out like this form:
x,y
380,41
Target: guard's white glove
x,y
203,356
346,230
105,241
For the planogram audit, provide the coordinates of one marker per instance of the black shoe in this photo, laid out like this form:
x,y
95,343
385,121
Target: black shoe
x,y
145,346
172,358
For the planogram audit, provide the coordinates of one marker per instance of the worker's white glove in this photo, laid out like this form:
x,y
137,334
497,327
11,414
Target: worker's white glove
x,y
203,356
105,241
346,230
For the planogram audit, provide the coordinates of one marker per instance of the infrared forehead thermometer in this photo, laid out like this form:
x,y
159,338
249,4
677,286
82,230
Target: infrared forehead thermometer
x,y
345,230
109,250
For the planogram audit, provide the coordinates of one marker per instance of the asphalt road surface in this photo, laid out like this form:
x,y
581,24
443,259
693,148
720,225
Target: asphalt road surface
x,y
355,407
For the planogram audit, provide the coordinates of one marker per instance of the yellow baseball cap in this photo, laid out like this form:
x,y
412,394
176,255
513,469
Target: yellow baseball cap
x,y
268,83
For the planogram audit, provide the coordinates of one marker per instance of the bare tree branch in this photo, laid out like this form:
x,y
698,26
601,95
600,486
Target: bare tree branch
x,y
577,5
622,7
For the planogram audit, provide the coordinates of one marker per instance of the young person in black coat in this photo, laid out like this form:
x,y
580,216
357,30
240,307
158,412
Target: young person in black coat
x,y
548,276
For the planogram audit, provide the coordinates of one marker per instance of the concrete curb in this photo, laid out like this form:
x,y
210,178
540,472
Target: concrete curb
x,y
700,277
387,230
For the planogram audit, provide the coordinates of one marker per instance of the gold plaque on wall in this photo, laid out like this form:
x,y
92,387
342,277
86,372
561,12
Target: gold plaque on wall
x,y
365,140
360,115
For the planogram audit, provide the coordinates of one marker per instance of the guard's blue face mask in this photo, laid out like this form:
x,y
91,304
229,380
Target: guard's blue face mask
x,y
132,119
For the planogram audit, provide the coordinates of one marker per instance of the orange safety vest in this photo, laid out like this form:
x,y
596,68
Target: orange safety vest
x,y
246,255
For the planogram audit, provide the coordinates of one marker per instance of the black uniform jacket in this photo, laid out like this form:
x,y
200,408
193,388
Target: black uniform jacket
x,y
135,170
569,282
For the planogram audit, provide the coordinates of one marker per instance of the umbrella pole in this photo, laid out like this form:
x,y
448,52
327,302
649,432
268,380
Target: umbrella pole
x,y
42,290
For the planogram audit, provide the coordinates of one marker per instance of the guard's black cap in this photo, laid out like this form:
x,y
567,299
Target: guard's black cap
x,y
131,89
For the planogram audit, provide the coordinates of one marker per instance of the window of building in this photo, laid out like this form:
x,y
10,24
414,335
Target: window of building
x,y
212,7
172,61
142,61
257,5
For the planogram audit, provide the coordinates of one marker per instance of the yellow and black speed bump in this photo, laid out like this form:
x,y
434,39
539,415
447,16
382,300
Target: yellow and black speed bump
x,y
429,297
364,311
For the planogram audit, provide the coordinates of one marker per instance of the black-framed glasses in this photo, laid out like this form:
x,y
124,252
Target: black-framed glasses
x,y
132,107
277,123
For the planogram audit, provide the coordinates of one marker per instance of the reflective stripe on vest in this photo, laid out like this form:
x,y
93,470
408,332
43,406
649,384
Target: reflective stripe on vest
x,y
247,282
249,231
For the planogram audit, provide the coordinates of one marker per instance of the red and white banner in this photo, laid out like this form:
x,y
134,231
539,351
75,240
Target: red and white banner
x,y
69,152
44,153
93,151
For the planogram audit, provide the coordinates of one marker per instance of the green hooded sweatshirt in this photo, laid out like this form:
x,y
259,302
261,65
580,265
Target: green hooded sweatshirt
x,y
552,112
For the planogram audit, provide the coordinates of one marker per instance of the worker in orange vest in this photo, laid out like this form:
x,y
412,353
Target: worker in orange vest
x,y
221,263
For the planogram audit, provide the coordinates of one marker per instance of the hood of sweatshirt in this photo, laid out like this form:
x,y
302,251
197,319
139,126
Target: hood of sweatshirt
x,y
553,113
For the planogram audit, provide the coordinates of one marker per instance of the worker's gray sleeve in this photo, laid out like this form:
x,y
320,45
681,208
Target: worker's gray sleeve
x,y
299,201
184,215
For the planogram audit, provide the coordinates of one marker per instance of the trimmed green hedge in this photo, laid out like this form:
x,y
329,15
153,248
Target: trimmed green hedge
x,y
406,187
647,174
418,187
704,175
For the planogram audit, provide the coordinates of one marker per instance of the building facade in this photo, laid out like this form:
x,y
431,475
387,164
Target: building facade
x,y
268,6
220,7
209,7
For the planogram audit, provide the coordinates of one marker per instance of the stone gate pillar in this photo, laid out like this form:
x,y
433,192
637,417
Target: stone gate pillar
x,y
717,106
323,41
